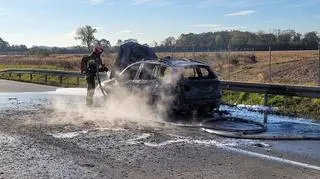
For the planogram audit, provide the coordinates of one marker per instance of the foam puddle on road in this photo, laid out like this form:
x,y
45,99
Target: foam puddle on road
x,y
248,113
69,91
279,125
36,100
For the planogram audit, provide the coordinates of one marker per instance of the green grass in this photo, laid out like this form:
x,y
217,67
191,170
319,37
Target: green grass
x,y
288,105
51,67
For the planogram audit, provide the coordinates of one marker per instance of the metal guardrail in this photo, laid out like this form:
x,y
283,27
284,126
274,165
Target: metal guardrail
x,y
43,72
276,89
46,73
290,90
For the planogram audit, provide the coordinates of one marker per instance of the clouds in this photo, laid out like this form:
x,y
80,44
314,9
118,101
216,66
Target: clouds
x,y
139,33
70,34
130,32
207,25
241,13
217,27
152,2
95,2
236,3
1,12
125,31
140,2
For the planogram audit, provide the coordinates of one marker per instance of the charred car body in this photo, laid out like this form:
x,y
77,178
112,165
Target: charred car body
x,y
189,85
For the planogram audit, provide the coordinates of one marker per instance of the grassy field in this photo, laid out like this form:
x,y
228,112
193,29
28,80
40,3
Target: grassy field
x,y
287,67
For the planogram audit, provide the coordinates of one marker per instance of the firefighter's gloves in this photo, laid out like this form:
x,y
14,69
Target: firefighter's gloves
x,y
103,69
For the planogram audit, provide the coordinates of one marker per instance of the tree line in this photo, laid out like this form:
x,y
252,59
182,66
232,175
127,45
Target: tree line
x,y
6,47
242,40
208,41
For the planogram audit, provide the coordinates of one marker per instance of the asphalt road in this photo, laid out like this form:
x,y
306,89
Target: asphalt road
x,y
13,87
41,141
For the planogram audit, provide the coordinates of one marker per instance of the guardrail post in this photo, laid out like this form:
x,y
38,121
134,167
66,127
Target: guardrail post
x,y
61,79
30,76
19,75
45,78
10,75
266,104
78,81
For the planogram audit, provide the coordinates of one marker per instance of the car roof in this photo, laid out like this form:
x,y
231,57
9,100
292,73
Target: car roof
x,y
175,62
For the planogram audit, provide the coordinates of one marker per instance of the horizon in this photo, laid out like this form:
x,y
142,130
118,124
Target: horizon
x,y
148,20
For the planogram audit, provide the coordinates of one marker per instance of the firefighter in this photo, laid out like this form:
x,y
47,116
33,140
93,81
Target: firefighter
x,y
90,66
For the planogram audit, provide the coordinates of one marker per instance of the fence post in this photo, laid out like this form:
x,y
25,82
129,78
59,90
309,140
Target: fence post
x,y
61,79
194,54
319,64
30,76
45,78
229,66
270,57
78,81
226,59
266,104
19,75
171,52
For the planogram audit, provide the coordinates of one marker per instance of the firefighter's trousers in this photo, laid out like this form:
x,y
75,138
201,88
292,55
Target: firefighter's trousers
x,y
90,77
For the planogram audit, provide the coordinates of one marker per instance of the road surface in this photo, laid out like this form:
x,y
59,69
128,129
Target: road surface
x,y
64,139
14,86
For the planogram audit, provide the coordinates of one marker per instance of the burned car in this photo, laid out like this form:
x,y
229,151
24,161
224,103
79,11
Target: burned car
x,y
192,85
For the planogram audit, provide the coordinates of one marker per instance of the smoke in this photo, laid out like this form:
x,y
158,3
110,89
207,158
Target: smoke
x,y
123,107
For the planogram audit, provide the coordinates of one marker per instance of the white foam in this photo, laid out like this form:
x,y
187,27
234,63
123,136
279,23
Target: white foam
x,y
136,140
68,134
258,107
164,143
115,129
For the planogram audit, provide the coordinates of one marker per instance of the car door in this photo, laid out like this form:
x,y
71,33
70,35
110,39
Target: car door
x,y
129,75
146,80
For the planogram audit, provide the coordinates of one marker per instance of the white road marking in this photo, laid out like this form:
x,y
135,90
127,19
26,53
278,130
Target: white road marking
x,y
226,146
269,157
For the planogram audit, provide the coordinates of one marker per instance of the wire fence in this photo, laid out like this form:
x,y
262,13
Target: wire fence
x,y
284,67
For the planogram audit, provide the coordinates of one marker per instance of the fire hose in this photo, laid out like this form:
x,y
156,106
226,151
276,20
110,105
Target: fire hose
x,y
99,82
238,133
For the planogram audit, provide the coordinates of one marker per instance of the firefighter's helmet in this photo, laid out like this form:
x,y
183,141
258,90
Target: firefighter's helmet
x,y
97,50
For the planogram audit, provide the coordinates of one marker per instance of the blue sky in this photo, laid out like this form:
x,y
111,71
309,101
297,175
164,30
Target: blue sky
x,y
53,22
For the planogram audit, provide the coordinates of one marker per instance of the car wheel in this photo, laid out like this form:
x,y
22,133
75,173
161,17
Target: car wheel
x,y
205,111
